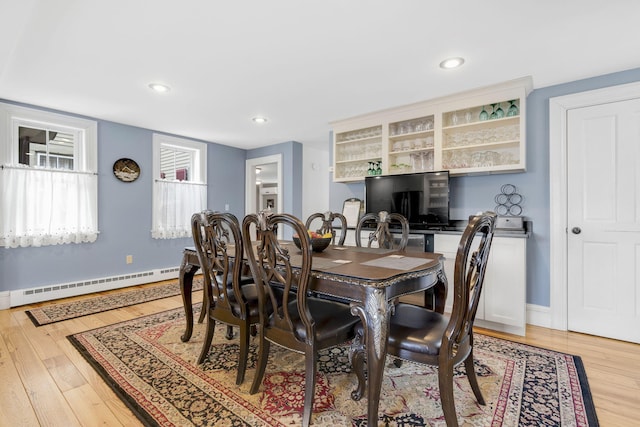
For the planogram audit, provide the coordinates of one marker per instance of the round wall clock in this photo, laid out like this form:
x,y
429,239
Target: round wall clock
x,y
126,170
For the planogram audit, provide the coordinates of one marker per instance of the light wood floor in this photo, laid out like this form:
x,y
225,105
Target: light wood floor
x,y
44,381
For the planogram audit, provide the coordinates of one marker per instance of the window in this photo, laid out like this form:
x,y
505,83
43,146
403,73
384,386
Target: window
x,y
179,185
48,178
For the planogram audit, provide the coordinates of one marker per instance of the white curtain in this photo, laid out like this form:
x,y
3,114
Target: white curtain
x,y
44,207
174,204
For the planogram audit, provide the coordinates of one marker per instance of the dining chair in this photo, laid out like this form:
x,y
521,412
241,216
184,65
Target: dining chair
x,y
328,218
299,322
382,235
228,297
424,336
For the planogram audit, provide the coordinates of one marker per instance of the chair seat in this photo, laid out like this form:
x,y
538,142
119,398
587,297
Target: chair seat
x,y
417,330
334,321
243,280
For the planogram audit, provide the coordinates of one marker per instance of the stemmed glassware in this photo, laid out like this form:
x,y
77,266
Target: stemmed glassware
x,y
493,115
513,109
499,112
483,114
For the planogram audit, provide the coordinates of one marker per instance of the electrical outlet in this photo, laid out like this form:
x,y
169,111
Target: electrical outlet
x,y
226,207
129,259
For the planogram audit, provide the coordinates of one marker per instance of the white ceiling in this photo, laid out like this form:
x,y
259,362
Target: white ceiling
x,y
300,63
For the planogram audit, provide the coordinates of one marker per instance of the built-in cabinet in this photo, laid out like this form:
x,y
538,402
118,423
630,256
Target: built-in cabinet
x,y
479,131
503,299
502,304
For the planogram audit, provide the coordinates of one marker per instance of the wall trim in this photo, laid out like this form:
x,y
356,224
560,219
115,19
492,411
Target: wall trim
x,y
539,315
81,287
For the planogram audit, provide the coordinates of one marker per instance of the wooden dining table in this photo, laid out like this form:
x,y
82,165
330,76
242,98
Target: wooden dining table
x,y
370,279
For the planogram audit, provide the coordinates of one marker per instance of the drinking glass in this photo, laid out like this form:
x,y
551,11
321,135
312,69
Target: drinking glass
x,y
513,109
454,118
499,112
493,114
467,116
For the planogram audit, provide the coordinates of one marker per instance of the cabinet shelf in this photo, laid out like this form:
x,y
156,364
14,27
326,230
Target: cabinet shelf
x,y
364,159
402,136
485,124
413,150
496,144
361,140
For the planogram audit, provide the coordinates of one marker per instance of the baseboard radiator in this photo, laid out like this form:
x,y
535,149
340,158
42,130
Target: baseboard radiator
x,y
81,287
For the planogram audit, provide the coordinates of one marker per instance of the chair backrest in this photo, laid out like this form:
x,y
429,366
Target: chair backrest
x,y
281,274
326,226
382,233
218,242
468,279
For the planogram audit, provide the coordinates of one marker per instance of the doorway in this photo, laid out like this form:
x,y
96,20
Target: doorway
x,y
263,184
593,133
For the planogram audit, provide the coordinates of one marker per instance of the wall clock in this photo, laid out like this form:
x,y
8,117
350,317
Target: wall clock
x,y
126,170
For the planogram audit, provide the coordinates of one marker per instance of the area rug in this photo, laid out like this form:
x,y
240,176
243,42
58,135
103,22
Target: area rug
x,y
57,312
156,375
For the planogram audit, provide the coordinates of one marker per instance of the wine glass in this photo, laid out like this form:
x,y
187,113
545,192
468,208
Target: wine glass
x,y
493,112
499,112
513,109
483,114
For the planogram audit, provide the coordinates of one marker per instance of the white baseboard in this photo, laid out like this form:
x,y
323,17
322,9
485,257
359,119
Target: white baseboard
x,y
81,287
539,315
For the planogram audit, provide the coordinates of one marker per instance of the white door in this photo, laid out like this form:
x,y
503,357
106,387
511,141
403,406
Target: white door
x,y
603,218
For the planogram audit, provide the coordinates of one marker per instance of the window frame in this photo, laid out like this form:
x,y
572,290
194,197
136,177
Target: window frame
x,y
85,150
199,150
198,178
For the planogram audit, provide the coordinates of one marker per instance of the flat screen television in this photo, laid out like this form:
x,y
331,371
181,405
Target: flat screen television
x,y
422,198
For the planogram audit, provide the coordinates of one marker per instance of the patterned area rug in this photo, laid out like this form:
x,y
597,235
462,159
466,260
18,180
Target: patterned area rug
x,y
52,313
156,375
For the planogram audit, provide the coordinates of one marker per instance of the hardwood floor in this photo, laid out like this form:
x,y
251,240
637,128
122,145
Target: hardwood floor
x,y
46,382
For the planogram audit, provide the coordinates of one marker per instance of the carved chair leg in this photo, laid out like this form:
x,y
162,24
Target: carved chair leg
x,y
243,355
203,312
206,344
445,382
473,379
229,334
263,356
310,385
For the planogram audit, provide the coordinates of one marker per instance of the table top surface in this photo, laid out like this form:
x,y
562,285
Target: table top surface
x,y
370,264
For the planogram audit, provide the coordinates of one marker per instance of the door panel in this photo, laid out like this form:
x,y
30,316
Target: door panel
x,y
603,152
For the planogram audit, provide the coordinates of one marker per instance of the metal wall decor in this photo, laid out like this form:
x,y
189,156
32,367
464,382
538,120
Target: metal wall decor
x,y
508,201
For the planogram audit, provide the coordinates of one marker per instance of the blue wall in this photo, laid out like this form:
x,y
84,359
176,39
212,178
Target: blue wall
x,y
125,208
124,217
470,194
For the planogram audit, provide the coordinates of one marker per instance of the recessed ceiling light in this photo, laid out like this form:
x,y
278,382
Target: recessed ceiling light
x,y
159,87
452,63
259,119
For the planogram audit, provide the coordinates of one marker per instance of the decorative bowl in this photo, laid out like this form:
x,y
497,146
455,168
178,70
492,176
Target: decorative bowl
x,y
318,244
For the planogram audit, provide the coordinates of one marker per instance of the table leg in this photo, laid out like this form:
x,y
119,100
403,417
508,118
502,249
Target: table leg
x,y
187,272
375,316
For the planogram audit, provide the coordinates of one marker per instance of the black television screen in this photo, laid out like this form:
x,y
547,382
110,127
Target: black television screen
x,y
422,198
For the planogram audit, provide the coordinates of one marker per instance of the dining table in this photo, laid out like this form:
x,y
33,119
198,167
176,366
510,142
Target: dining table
x,y
370,280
